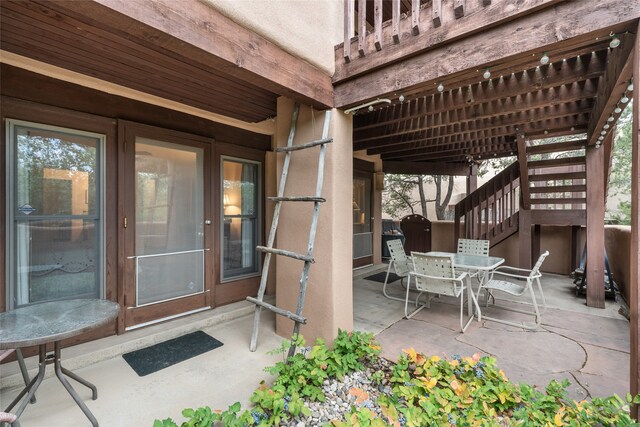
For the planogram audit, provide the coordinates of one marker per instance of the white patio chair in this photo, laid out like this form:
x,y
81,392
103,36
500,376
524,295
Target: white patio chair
x,y
495,283
400,262
436,275
473,247
9,418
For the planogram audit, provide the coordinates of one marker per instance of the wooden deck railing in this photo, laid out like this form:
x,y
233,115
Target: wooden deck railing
x,y
491,212
403,23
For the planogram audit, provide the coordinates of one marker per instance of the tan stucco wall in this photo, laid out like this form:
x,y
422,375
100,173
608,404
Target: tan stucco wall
x,y
307,29
328,304
557,240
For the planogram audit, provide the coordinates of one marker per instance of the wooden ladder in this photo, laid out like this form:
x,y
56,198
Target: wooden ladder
x,y
308,259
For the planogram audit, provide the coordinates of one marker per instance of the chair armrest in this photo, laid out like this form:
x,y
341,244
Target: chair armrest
x,y
506,267
453,279
517,276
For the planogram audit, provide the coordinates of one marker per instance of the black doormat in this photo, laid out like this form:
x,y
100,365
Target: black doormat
x,y
159,356
379,277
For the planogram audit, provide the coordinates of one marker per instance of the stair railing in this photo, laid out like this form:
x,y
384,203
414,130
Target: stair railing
x,y
491,211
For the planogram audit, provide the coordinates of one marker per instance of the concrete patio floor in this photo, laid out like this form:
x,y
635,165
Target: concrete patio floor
x,y
588,346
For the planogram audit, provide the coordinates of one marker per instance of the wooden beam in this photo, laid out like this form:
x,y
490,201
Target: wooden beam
x,y
472,179
518,94
559,176
349,11
524,238
595,227
524,172
580,21
557,200
395,20
614,83
559,217
551,189
426,168
377,19
421,136
415,17
448,143
436,18
362,27
634,250
577,144
458,8
201,34
562,161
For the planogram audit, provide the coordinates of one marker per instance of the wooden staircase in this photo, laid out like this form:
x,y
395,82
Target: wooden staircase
x,y
546,186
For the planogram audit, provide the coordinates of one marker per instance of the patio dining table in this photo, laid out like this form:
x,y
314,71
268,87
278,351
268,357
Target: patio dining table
x,y
51,322
478,263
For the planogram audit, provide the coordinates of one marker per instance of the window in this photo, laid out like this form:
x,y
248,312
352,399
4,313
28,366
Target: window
x,y
55,213
241,217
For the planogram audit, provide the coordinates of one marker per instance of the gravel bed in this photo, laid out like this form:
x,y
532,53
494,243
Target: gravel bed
x,y
342,395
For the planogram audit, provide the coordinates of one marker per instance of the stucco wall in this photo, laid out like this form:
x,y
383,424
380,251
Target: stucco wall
x,y
307,29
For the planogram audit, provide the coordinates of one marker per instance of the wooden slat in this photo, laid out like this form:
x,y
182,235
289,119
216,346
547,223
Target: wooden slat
x,y
582,22
458,8
561,176
562,161
297,199
303,146
524,171
616,78
205,36
559,217
436,13
426,168
286,253
580,188
595,227
395,20
278,310
377,13
415,17
362,27
557,147
349,12
557,200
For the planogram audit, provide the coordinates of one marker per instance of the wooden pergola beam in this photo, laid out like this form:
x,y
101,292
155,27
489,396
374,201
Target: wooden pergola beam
x,y
490,103
478,152
524,119
201,34
614,83
579,21
422,138
423,146
426,168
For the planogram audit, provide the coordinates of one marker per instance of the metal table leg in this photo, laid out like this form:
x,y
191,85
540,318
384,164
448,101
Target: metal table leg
x,y
59,373
30,389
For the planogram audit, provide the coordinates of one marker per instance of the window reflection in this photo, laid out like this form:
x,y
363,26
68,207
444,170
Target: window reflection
x,y
240,195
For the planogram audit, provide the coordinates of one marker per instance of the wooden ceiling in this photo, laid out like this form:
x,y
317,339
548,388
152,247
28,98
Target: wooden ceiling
x,y
52,32
475,118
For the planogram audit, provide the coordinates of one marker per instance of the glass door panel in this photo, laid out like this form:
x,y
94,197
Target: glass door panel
x,y
169,211
55,212
362,231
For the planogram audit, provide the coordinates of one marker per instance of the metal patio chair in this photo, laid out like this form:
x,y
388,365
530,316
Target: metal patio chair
x,y
401,264
9,418
495,283
436,275
473,247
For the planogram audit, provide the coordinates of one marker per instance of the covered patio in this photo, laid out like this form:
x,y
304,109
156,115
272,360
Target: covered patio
x,y
589,347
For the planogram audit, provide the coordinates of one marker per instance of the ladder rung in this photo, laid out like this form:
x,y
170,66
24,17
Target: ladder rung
x,y
290,254
281,312
298,199
303,146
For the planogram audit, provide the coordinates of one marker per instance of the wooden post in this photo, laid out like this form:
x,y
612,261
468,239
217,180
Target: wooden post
x,y
634,303
595,227
575,247
537,232
362,27
395,20
436,13
525,238
377,20
524,171
415,17
472,179
349,6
